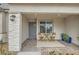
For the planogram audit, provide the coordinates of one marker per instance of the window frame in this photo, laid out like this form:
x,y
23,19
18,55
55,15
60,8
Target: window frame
x,y
46,22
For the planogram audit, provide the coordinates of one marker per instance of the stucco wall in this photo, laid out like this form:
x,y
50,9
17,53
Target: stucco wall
x,y
0,25
72,27
59,27
0,22
25,27
3,32
4,22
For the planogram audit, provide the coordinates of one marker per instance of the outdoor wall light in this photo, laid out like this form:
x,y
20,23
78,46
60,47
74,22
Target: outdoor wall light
x,y
12,17
6,10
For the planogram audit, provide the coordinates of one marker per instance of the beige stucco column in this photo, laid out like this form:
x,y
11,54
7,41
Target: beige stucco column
x,y
37,28
14,31
0,26
3,32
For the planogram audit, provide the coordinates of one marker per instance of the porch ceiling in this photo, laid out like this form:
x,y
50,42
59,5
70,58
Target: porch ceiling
x,y
46,15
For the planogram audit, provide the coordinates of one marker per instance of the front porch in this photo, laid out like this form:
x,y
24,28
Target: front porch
x,y
50,25
61,23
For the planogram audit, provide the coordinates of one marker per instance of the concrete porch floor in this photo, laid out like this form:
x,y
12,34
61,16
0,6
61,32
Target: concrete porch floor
x,y
31,48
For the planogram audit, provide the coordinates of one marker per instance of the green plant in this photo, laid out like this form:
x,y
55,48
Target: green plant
x,y
60,53
78,38
65,36
52,52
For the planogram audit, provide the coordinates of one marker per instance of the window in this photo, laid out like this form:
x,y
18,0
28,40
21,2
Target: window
x,y
46,27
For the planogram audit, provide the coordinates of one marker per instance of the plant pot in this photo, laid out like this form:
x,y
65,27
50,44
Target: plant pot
x,y
69,40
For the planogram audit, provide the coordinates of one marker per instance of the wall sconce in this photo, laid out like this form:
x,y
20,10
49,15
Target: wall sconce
x,y
12,17
6,10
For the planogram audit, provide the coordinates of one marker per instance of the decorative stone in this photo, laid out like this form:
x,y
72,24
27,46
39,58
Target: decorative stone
x,y
14,33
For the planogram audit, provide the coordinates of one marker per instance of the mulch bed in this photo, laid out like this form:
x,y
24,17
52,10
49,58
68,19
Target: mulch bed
x,y
59,51
4,49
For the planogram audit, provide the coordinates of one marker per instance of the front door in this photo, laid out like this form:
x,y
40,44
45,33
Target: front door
x,y
32,30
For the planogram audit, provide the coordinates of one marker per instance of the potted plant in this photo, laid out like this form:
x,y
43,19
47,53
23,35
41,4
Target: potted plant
x,y
66,38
